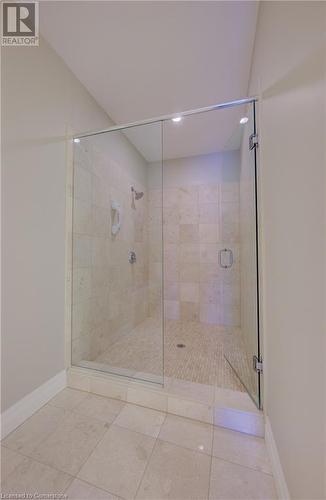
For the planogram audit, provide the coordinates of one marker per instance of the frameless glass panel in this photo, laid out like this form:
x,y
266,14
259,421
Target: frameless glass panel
x,y
244,344
208,206
210,297
117,323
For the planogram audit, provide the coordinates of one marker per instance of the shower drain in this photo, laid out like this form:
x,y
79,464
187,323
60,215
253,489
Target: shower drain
x,y
181,345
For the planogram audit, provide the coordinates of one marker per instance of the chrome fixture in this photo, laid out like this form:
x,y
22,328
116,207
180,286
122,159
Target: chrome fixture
x,y
138,194
132,257
225,258
253,141
164,118
257,364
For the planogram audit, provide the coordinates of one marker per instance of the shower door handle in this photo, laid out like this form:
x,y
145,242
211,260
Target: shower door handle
x,y
225,258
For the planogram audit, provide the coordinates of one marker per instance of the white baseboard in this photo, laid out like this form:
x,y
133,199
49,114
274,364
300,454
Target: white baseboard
x,y
25,407
280,482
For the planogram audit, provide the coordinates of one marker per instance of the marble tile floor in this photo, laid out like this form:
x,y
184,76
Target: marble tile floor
x,y
91,447
201,360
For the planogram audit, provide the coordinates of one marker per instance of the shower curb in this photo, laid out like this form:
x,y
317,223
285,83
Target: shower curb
x,y
203,409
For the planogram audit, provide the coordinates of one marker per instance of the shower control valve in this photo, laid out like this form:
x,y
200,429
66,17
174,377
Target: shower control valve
x,y
132,257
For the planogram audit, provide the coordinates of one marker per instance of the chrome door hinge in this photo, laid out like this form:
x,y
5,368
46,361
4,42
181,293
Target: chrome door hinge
x,y
257,364
253,141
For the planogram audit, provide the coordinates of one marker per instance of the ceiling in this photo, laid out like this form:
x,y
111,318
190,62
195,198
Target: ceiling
x,y
144,59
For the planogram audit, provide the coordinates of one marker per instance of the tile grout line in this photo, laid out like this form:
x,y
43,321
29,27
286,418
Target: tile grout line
x,y
43,439
243,466
210,474
111,424
66,413
39,462
108,425
151,454
93,486
157,438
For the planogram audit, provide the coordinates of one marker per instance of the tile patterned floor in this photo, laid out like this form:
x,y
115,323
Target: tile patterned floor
x,y
201,360
91,447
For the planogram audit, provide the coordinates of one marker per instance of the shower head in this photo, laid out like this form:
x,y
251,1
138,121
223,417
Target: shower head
x,y
138,194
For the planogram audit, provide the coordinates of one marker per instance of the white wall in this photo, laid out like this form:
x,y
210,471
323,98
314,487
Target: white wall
x,y
41,99
289,71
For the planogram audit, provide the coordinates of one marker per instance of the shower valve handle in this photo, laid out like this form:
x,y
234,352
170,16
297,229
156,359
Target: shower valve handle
x,y
132,257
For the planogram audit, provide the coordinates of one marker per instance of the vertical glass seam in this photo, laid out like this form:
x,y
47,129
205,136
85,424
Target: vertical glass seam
x,y
257,257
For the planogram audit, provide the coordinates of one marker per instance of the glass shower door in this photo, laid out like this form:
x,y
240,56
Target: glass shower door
x,y
243,350
117,320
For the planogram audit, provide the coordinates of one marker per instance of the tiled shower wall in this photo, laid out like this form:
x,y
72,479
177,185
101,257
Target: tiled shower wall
x,y
110,295
201,217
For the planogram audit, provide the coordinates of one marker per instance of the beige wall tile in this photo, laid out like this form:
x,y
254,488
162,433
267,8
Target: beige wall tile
x,y
170,215
209,313
208,213
210,293
229,192
155,198
188,195
171,271
171,290
189,292
170,197
189,233
171,233
230,222
189,311
208,193
231,315
82,184
208,233
189,272
172,309
208,253
83,219
82,284
188,214
209,273
82,251
188,252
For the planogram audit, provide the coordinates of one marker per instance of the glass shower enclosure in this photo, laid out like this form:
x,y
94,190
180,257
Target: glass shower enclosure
x,y
117,311
146,268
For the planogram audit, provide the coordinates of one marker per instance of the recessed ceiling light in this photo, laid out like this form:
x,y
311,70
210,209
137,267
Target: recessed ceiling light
x,y
243,120
77,140
177,119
